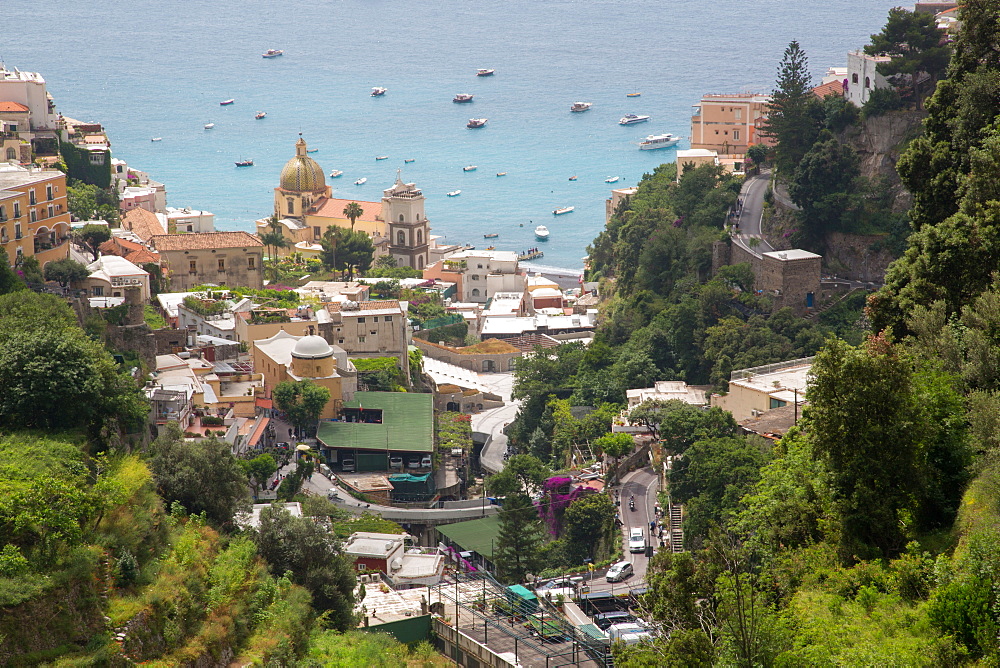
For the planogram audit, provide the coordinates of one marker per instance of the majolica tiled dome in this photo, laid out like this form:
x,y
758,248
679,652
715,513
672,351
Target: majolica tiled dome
x,y
302,174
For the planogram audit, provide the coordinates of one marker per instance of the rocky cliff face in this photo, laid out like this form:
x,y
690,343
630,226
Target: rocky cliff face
x,y
879,142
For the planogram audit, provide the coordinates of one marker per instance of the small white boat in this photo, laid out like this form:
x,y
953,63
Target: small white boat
x,y
363,180
378,91
485,72
476,122
454,193
491,235
542,232
226,103
612,179
312,150
209,126
156,139
272,53
501,173
260,114
581,106
653,142
335,173
463,97
381,157
565,209
470,168
409,160
632,119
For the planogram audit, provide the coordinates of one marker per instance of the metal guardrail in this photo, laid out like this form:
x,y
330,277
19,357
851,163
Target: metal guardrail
x,y
769,368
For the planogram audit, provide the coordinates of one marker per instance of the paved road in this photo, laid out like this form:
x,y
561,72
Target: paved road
x,y
492,422
752,195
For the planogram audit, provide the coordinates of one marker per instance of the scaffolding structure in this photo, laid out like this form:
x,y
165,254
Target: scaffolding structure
x,y
510,626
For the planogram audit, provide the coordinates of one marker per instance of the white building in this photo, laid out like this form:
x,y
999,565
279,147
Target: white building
x,y
664,390
404,567
487,273
179,221
754,391
28,89
111,274
862,76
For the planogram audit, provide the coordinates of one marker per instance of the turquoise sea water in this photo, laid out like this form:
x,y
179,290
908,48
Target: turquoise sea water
x,y
159,69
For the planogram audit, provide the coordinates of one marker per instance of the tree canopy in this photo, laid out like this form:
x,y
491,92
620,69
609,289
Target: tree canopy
x,y
302,401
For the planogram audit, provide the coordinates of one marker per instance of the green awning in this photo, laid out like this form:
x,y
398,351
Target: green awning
x,y
474,535
407,424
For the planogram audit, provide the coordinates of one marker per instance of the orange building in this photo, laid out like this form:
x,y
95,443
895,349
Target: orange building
x,y
34,215
728,124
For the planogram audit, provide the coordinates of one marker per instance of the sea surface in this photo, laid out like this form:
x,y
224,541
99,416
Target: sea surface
x,y
159,69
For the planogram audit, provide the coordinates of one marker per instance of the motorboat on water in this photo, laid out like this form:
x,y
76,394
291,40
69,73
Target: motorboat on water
x,y
272,53
501,173
260,114
463,97
209,126
542,232
381,157
156,139
612,179
335,173
476,122
565,209
485,72
454,193
633,94
470,168
581,106
491,235
653,142
311,150
226,103
245,163
572,178
360,182
632,119
408,160
378,91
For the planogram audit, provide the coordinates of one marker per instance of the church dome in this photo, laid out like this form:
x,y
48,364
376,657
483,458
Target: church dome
x,y
302,174
312,348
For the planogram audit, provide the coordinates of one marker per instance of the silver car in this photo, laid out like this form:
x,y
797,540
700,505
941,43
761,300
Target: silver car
x,y
619,571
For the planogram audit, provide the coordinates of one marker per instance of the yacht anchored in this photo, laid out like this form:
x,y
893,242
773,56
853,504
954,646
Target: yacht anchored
x,y
245,163
658,141
378,91
476,122
485,72
156,139
335,173
463,97
581,106
360,182
454,193
632,119
542,232
565,209
272,53
209,126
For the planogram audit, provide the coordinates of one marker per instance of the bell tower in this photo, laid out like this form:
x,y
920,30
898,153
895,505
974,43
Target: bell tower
x,y
406,224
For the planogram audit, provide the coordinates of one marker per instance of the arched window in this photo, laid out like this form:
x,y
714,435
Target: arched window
x,y
420,262
420,237
854,78
291,205
475,292
400,217
868,82
11,154
401,238
418,216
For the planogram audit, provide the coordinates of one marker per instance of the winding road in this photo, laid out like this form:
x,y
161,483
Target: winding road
x,y
751,214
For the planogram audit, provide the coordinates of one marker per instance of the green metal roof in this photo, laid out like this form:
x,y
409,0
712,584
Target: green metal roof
x,y
407,423
523,592
474,535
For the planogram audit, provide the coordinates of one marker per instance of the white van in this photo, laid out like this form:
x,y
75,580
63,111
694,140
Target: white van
x,y
636,540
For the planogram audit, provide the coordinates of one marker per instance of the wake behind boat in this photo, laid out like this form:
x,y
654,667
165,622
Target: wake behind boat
x,y
632,119
565,209
653,142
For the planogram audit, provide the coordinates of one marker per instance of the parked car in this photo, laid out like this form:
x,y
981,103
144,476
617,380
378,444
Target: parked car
x,y
426,462
619,571
395,462
413,463
636,540
347,465
605,619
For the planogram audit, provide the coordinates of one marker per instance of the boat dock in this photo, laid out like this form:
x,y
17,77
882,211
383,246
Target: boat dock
x,y
530,254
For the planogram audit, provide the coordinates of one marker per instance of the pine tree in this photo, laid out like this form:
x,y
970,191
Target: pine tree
x,y
520,538
794,115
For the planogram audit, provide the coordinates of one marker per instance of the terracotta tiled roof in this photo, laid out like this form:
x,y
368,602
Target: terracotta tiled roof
x,y
334,208
135,253
365,306
204,240
831,88
142,256
144,223
16,107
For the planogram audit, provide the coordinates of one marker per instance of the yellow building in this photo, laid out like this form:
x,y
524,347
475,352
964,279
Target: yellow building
x,y
34,215
285,356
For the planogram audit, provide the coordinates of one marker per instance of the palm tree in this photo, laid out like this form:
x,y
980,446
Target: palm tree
x,y
273,239
353,211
